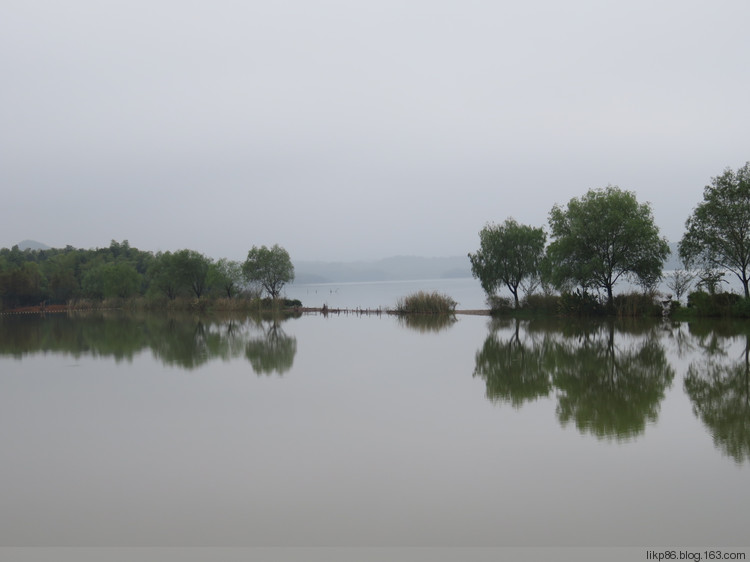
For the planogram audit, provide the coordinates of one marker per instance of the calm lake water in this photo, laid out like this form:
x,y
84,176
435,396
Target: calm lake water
x,y
371,431
467,292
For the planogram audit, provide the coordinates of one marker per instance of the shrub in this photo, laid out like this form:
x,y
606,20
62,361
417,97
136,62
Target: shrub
x,y
580,303
719,304
500,305
636,304
741,308
541,304
426,303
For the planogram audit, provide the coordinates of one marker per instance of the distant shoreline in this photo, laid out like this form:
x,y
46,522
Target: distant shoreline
x,y
60,308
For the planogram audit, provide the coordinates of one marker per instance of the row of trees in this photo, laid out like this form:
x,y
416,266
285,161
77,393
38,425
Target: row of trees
x,y
121,271
607,235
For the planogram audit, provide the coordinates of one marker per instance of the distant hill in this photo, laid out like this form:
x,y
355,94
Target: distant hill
x,y
397,268
404,268
32,245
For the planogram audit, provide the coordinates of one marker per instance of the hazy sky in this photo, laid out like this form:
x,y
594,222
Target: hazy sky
x,y
350,129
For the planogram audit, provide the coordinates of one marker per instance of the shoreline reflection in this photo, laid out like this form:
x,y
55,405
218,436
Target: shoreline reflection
x,y
183,340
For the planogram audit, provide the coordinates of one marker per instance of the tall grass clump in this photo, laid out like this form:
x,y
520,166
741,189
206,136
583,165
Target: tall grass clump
x,y
636,304
423,302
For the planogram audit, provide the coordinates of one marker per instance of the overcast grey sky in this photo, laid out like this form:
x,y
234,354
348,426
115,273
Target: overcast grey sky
x,y
348,129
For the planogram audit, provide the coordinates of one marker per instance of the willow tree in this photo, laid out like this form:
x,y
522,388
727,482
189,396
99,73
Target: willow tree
x,y
270,267
508,254
718,232
603,236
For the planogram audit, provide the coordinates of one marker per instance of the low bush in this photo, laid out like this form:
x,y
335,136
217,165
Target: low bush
x,y
500,305
741,308
636,304
580,303
423,302
541,304
719,304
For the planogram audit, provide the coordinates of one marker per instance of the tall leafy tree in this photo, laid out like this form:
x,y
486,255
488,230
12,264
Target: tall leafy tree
x,y
164,275
270,267
192,270
508,254
604,235
120,280
226,274
718,232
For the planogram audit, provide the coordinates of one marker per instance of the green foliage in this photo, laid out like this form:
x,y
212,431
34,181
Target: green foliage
x,y
604,235
718,232
120,275
741,308
580,303
500,305
63,277
270,267
191,269
710,280
423,302
121,280
164,276
718,304
226,275
636,304
541,304
508,254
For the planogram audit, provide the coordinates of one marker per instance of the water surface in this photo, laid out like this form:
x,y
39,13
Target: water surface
x,y
371,431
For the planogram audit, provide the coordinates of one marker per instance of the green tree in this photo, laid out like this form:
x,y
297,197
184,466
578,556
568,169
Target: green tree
x,y
164,275
226,275
508,254
192,270
718,232
601,237
270,267
61,274
92,281
120,280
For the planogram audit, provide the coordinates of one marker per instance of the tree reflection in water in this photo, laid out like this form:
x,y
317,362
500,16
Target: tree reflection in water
x,y
273,351
183,340
719,388
513,368
608,379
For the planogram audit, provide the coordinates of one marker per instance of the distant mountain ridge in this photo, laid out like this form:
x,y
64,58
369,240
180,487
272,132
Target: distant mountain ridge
x,y
397,268
405,268
32,245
